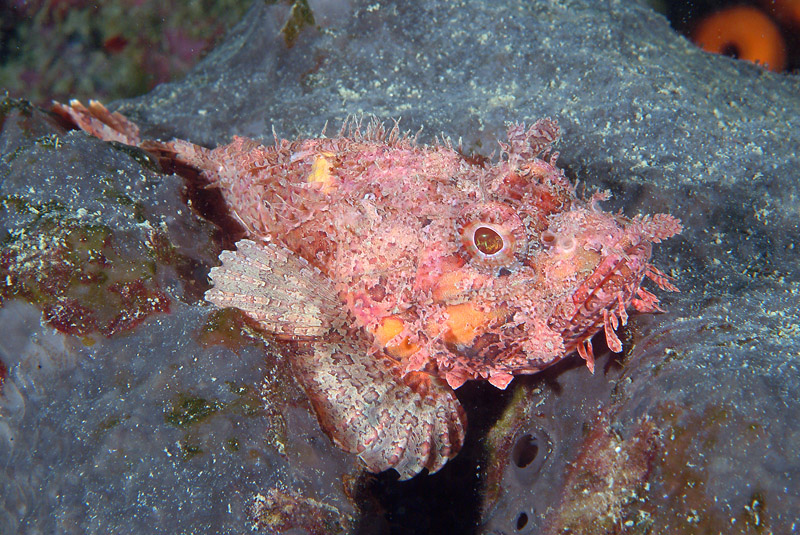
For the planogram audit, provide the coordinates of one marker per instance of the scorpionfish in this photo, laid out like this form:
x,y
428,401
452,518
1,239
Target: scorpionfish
x,y
402,270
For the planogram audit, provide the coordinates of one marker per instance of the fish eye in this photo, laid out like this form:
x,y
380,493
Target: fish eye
x,y
487,240
492,234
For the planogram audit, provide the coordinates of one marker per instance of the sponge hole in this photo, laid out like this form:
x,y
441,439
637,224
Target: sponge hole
x,y
525,451
522,521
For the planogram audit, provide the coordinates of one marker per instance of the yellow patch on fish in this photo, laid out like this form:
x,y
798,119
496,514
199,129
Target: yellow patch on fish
x,y
321,172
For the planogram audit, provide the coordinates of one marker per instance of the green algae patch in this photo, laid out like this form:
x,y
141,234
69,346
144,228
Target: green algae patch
x,y
198,418
232,444
226,327
500,441
281,511
110,423
187,411
184,411
247,402
7,105
189,450
754,515
140,156
49,141
300,16
107,425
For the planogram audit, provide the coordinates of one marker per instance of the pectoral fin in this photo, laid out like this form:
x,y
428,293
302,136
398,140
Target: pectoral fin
x,y
364,403
367,407
277,288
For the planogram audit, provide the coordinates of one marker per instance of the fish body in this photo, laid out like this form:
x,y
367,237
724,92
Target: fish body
x,y
402,270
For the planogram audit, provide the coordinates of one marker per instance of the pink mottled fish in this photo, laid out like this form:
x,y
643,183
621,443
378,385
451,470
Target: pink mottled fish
x,y
405,270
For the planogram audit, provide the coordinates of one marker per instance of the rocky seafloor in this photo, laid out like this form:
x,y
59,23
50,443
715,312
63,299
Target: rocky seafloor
x,y
128,405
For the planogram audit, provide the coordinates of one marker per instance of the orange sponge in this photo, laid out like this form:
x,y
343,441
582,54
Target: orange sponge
x,y
744,32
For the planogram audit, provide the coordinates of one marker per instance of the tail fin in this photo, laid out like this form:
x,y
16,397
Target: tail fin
x,y
99,122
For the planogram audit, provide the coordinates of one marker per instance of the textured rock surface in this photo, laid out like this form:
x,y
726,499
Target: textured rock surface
x,y
140,411
702,408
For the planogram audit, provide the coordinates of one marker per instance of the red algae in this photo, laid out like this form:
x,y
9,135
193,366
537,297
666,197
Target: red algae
x,y
3,375
74,272
279,511
137,302
608,482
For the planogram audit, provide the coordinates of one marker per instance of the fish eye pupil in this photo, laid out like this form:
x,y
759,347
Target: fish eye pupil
x,y
487,240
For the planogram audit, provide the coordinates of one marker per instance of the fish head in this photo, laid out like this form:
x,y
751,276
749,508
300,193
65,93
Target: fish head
x,y
508,281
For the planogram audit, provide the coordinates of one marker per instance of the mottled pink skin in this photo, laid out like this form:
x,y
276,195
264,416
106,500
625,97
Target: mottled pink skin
x,y
396,233
382,221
